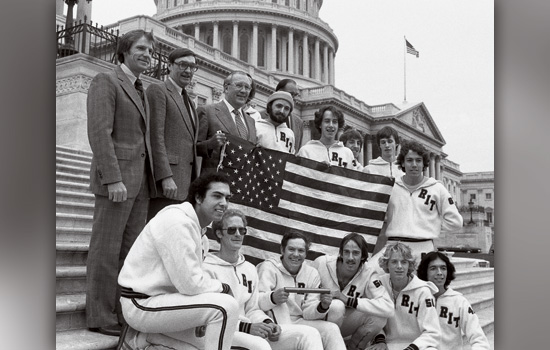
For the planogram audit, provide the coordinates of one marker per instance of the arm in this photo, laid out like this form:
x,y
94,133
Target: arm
x,y
428,321
377,301
267,277
208,140
469,324
450,217
314,306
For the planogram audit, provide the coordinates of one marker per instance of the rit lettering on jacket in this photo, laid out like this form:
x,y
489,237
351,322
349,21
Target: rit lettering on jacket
x,y
407,303
337,159
451,319
427,198
287,142
247,284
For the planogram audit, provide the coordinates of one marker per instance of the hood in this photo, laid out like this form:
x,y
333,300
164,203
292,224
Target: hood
x,y
279,265
378,161
416,283
449,293
214,259
429,182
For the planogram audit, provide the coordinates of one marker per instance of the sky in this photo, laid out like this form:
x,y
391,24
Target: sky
x,y
453,75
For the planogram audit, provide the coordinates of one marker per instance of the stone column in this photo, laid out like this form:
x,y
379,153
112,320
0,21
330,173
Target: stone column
x,y
84,9
284,64
325,63
306,136
291,51
273,47
254,61
432,165
197,30
235,42
305,61
368,153
331,67
437,168
317,58
215,33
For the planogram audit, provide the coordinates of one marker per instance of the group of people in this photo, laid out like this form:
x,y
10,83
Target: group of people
x,y
156,186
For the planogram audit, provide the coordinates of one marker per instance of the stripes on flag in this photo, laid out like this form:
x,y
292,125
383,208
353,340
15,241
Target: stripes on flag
x,y
279,192
411,49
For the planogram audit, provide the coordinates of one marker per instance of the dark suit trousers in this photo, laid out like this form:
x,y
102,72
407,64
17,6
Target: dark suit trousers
x,y
115,228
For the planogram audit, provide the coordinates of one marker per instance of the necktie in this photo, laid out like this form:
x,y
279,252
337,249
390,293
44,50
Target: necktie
x,y
240,125
139,88
187,106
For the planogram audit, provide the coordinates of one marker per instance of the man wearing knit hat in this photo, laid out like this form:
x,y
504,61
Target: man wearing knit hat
x,y
274,133
174,132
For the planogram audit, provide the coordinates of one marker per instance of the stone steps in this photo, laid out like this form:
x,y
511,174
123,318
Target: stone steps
x,y
71,253
70,311
82,339
71,186
70,279
68,207
70,177
73,234
73,220
74,197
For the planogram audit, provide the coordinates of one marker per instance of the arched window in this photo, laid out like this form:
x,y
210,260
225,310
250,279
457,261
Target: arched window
x,y
261,50
243,49
226,44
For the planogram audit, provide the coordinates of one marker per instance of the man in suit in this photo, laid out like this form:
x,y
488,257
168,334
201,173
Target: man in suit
x,y
294,122
121,175
174,131
226,116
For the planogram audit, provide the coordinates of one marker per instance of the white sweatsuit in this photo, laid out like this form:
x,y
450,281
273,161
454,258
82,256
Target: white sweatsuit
x,y
367,298
337,154
457,318
242,277
164,287
379,166
299,308
415,320
280,138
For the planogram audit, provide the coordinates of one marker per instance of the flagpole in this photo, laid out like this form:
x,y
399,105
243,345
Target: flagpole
x,y
405,70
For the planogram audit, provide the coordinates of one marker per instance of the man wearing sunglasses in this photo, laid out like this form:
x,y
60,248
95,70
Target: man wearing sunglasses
x,y
174,132
226,117
165,291
255,330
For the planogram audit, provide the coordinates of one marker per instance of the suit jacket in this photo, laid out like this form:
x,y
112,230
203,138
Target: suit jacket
x,y
216,117
296,125
118,132
173,137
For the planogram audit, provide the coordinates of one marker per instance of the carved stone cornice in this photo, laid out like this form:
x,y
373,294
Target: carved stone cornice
x,y
216,94
75,83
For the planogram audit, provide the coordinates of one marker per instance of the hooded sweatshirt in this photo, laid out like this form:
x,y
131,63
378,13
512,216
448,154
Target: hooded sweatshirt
x,y
167,256
280,138
243,280
337,154
415,323
365,291
423,213
457,318
273,275
379,166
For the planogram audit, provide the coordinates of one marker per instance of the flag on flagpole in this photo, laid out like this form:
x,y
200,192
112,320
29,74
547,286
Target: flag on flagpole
x,y
411,49
279,192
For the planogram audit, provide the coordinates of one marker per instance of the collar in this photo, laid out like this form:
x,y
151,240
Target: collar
x,y
129,73
179,89
230,107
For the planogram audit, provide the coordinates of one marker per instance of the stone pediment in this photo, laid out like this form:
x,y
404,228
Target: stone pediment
x,y
418,118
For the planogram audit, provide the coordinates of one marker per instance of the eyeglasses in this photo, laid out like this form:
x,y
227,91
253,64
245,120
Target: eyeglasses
x,y
241,86
184,66
294,94
233,230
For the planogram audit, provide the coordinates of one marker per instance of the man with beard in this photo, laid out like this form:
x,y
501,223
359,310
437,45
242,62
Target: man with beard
x,y
360,305
327,149
273,133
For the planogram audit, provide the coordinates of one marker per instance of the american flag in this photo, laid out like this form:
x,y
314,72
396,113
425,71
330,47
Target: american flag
x,y
279,192
411,49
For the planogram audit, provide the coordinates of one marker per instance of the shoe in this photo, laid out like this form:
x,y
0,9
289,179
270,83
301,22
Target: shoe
x,y
113,330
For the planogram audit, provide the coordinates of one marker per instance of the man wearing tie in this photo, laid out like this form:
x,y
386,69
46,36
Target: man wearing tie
x,y
226,116
174,131
121,176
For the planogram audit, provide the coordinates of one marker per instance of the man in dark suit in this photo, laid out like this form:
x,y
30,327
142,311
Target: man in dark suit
x,y
121,176
295,123
174,132
226,116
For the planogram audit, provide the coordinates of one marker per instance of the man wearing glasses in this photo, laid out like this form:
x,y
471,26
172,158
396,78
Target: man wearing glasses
x,y
226,116
174,132
255,330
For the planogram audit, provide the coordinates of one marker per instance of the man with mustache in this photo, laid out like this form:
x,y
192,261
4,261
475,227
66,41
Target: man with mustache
x,y
361,304
174,132
121,176
273,133
226,117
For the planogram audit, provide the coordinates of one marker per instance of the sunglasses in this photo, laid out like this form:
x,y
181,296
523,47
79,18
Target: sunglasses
x,y
233,230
